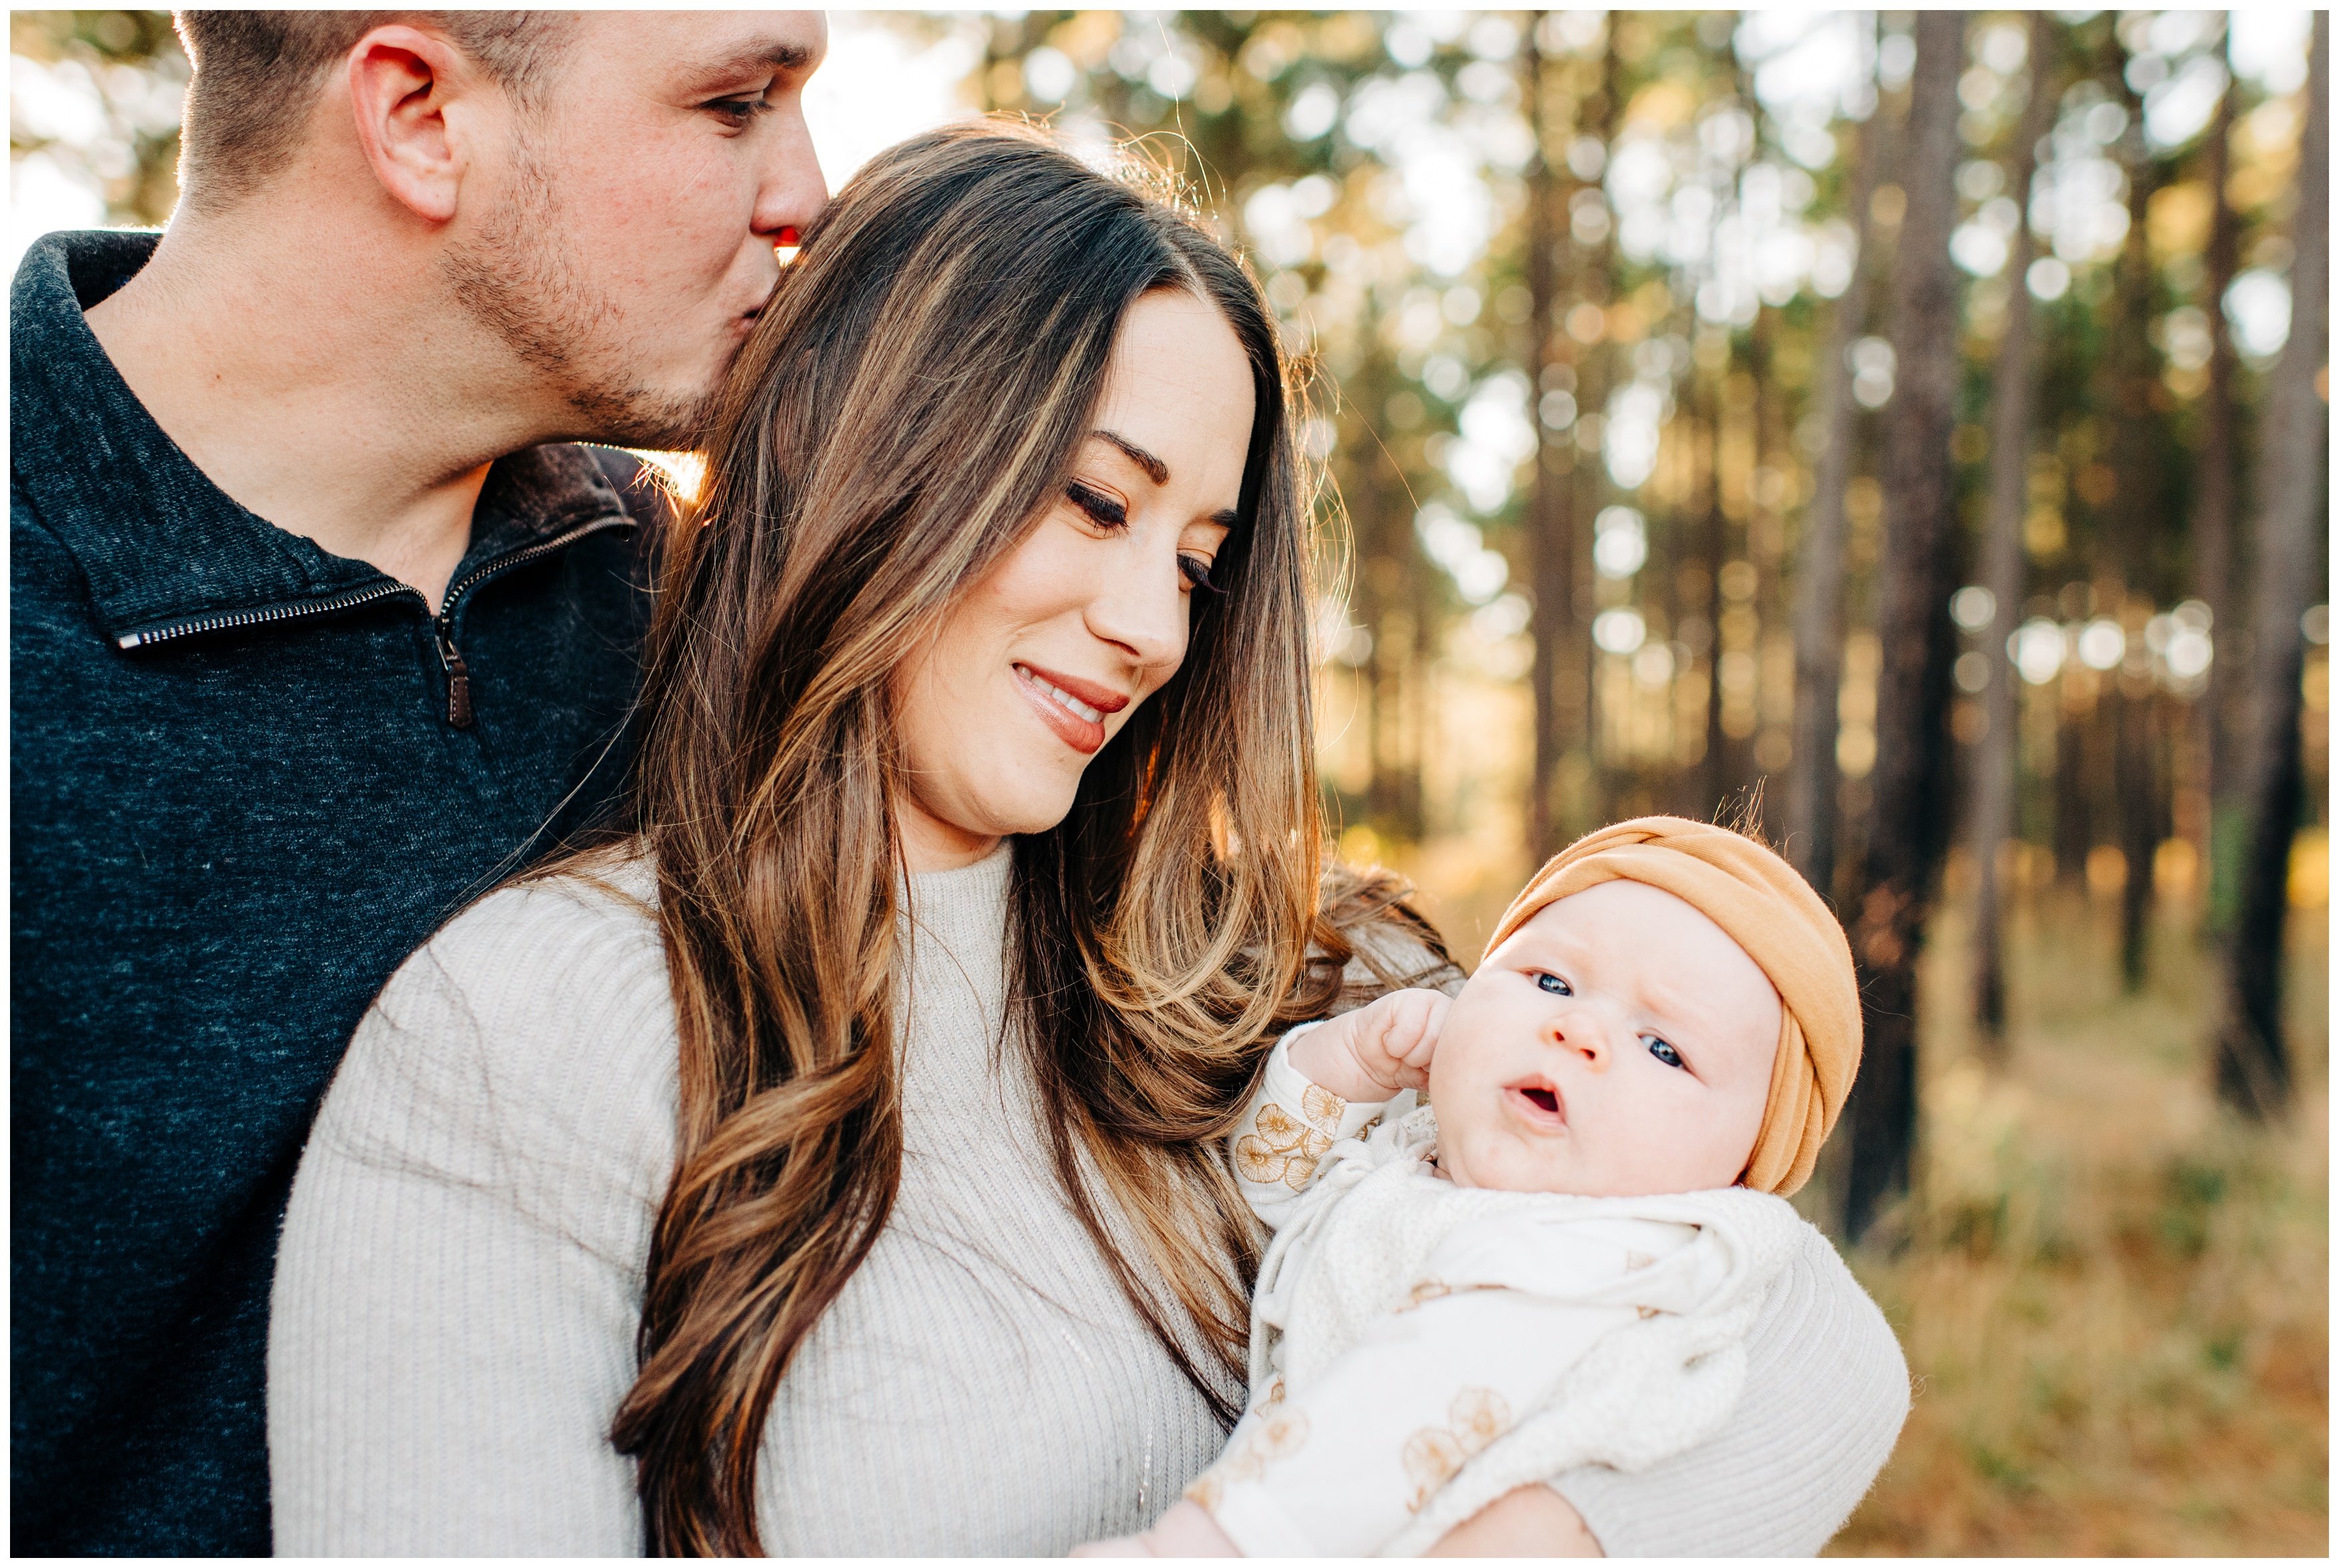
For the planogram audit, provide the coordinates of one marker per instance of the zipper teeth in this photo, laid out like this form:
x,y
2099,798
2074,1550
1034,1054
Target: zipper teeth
x,y
521,558
357,596
259,617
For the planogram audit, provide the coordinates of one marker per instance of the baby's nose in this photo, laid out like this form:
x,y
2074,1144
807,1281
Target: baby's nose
x,y
1584,1037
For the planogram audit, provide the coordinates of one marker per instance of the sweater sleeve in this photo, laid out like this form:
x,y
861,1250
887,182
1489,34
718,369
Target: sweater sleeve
x,y
457,1286
1287,1126
1826,1392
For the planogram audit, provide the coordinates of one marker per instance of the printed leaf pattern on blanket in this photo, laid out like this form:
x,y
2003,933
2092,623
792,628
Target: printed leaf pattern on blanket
x,y
1436,1454
1282,1147
1274,1434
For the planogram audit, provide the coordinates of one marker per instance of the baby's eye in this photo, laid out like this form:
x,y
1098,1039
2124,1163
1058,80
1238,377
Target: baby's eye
x,y
1666,1053
1554,984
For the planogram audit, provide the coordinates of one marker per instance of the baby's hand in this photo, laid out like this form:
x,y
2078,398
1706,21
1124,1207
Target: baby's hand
x,y
1376,1051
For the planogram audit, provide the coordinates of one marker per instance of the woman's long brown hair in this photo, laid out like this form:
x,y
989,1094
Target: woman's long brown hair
x,y
905,411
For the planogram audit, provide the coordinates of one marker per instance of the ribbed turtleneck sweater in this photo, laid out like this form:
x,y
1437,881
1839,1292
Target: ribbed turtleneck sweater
x,y
460,1285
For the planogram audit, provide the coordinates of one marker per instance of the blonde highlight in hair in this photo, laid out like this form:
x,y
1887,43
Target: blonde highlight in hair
x,y
908,406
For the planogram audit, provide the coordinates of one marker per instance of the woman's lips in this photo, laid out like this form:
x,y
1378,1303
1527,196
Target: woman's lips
x,y
1082,733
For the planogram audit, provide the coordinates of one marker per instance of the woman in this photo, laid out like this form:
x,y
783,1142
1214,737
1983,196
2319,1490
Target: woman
x,y
828,1167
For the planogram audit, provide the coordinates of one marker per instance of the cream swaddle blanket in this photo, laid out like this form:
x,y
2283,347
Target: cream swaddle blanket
x,y
1419,1348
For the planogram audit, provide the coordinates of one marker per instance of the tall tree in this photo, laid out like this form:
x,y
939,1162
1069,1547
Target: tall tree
x,y
2253,1062
1551,539
2014,396
1912,698
1595,265
2213,522
1812,777
2140,516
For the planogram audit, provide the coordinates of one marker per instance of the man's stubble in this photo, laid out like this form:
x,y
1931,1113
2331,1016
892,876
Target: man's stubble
x,y
514,277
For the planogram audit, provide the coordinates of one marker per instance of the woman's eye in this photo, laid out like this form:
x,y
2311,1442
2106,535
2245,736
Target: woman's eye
x,y
1101,508
1666,1054
1197,572
1554,984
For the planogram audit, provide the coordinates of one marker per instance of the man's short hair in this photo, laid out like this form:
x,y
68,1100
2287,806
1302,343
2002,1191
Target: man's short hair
x,y
258,74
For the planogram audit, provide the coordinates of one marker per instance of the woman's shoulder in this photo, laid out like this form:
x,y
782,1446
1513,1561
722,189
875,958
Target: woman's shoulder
x,y
560,974
552,939
1818,1317
539,1018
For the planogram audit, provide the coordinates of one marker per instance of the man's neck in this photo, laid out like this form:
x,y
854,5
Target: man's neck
x,y
318,400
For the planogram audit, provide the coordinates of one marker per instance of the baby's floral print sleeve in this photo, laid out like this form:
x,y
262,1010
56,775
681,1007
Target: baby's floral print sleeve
x,y
1288,1125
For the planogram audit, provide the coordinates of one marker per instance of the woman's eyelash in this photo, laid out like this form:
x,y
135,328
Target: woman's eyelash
x,y
1103,509
1197,572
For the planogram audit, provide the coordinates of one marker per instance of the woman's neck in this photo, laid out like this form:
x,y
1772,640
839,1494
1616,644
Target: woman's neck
x,y
930,843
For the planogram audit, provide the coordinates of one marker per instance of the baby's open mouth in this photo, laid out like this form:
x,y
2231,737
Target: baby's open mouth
x,y
1538,1102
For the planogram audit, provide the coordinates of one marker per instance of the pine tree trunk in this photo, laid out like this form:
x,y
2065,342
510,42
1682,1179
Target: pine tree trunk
x,y
2253,1070
2213,539
1596,371
2142,510
1713,550
2014,393
1911,792
1552,536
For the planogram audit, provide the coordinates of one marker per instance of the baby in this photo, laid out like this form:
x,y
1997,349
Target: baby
x,y
1559,1264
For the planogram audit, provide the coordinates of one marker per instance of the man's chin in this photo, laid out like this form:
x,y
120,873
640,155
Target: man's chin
x,y
641,418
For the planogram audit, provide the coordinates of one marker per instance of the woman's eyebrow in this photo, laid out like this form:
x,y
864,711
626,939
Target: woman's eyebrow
x,y
1155,469
1159,472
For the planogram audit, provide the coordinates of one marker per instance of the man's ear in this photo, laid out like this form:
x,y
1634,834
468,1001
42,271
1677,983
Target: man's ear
x,y
416,100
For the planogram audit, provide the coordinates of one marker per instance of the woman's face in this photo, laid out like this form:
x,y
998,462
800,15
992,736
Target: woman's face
x,y
1051,651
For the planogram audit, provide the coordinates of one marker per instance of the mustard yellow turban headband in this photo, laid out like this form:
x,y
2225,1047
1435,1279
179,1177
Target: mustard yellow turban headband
x,y
1771,912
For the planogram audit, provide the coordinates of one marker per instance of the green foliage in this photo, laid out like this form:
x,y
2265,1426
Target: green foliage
x,y
128,65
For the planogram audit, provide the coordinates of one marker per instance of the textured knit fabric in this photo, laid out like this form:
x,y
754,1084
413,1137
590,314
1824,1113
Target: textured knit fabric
x,y
462,1266
237,804
462,1280
1771,912
1558,1330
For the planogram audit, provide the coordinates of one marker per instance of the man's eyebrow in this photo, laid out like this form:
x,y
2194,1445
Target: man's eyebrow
x,y
1155,469
777,56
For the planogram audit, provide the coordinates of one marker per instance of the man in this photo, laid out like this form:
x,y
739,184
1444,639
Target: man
x,y
313,635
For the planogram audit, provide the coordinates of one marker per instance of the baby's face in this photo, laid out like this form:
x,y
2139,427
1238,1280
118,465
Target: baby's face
x,y
1618,1044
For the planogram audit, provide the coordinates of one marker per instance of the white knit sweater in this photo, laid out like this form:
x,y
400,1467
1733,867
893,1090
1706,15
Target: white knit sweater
x,y
460,1283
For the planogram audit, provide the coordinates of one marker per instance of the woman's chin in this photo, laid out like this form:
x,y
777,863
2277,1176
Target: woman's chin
x,y
1022,816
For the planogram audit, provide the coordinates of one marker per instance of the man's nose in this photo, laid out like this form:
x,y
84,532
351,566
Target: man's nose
x,y
793,190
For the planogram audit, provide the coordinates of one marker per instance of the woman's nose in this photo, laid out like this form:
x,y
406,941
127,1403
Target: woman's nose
x,y
1142,610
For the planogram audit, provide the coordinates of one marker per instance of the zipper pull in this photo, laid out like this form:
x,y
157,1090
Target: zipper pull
x,y
459,678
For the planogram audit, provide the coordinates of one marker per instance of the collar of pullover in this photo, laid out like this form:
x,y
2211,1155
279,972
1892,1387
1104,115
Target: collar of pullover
x,y
173,548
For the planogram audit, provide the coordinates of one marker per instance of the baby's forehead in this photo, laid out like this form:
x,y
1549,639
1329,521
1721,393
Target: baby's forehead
x,y
1622,901
1644,929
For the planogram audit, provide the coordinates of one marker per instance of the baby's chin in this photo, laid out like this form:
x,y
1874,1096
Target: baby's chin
x,y
1489,1165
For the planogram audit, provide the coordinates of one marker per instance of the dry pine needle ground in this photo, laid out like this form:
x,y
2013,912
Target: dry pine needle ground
x,y
2113,1298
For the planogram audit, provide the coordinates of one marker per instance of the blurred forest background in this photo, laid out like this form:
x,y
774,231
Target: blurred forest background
x,y
1908,431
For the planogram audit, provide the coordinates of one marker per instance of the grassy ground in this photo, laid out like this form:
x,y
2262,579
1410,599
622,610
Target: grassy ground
x,y
2114,1298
